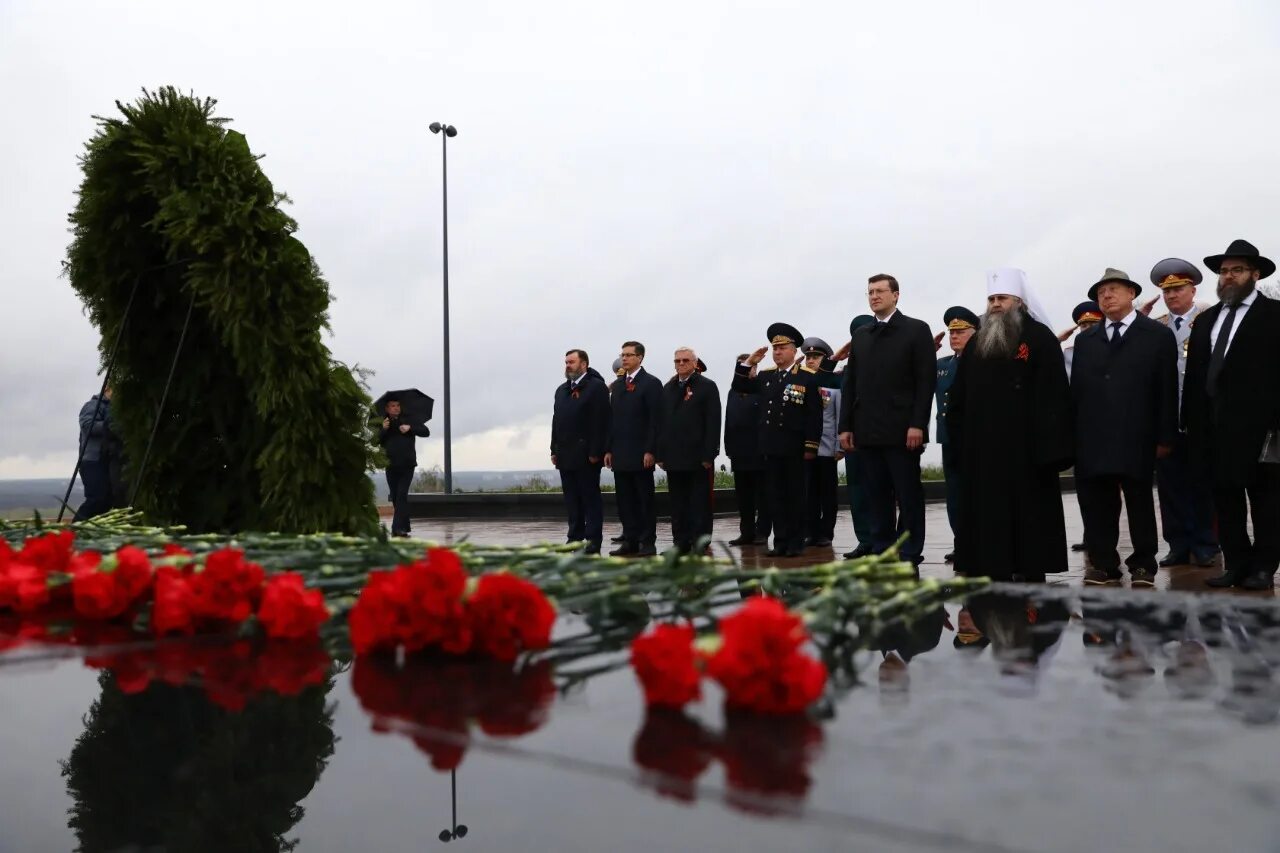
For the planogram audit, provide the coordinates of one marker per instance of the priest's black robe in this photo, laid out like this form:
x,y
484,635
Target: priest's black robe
x,y
1010,422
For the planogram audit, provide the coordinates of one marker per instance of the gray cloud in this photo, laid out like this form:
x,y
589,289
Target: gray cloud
x,y
681,173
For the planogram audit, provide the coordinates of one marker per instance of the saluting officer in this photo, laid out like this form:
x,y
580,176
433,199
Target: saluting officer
x,y
790,431
961,324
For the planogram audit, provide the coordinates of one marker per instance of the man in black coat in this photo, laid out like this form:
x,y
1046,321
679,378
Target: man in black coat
x,y
884,414
790,431
688,443
742,446
1231,402
1124,384
579,440
636,401
399,439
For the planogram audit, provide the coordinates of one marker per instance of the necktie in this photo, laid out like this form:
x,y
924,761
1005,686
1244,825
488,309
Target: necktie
x,y
1115,333
1177,324
1219,354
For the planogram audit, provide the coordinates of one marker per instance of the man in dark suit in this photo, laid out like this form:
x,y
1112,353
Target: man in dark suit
x,y
1231,401
742,446
884,415
636,400
579,439
790,430
1124,383
688,443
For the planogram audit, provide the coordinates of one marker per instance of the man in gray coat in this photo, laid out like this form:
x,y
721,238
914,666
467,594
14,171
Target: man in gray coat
x,y
98,446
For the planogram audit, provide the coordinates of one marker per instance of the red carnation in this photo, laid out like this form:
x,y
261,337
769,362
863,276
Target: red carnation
x,y
373,620
289,610
510,615
94,592
760,664
26,586
228,588
175,600
666,665
50,552
432,611
133,573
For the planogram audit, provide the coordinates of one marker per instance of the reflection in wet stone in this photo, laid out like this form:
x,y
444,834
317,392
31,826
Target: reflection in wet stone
x,y
168,769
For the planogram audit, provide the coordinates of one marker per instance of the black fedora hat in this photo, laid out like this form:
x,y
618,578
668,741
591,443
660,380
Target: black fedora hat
x,y
1114,275
1245,250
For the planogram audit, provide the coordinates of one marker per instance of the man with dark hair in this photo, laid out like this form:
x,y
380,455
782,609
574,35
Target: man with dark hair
x,y
1124,383
398,439
884,415
742,446
579,439
1231,408
790,430
636,402
688,443
1009,425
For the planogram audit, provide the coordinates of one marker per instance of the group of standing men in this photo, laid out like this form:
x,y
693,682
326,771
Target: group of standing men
x,y
1187,400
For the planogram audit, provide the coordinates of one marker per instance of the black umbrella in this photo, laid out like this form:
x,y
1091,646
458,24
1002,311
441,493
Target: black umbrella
x,y
415,407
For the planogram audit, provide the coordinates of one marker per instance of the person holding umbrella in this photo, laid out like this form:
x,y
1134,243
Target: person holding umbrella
x,y
405,414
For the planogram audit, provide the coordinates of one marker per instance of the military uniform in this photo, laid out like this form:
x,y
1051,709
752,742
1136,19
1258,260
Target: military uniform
x,y
790,427
821,474
1083,315
956,317
1186,504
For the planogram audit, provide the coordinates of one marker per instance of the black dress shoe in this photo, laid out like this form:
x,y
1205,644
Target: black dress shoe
x,y
626,550
592,548
819,543
1079,546
1204,561
860,551
741,540
647,551
1258,581
795,551
1175,558
1142,577
615,540
1226,580
949,557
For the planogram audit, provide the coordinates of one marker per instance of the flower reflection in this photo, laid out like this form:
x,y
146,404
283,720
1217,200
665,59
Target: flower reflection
x,y
435,700
766,758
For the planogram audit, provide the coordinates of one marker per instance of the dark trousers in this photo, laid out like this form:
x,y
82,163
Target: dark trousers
x,y
636,509
787,499
95,478
859,502
751,488
1186,505
1239,555
582,499
822,503
690,493
892,475
399,478
951,472
1100,506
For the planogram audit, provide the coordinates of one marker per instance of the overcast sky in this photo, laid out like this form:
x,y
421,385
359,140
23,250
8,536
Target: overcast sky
x,y
676,172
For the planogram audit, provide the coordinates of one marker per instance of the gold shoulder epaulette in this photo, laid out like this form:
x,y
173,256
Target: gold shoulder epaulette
x,y
807,369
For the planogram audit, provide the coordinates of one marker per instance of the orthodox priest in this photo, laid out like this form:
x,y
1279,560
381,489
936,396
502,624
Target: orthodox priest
x,y
1009,424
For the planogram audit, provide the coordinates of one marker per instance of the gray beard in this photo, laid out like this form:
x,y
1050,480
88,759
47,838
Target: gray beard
x,y
1238,293
998,334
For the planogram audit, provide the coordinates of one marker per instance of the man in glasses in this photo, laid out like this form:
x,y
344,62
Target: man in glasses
x,y
688,443
1231,407
636,401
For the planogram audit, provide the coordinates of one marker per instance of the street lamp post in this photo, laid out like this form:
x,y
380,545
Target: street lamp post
x,y
448,131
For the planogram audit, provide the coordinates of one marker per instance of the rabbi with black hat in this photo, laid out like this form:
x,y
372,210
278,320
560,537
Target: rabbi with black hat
x,y
1124,383
961,324
1186,501
1231,407
790,430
